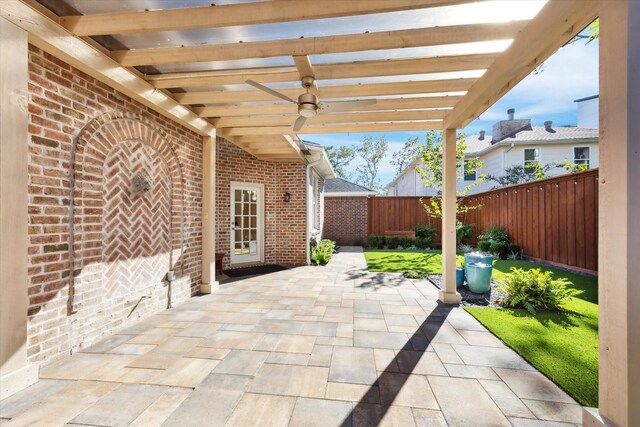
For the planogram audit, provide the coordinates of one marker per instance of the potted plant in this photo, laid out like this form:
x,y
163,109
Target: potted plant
x,y
459,273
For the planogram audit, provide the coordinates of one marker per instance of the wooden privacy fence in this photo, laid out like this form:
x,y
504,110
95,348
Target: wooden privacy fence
x,y
554,220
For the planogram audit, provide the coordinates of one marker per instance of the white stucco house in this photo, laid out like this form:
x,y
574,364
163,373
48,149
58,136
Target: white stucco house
x,y
516,142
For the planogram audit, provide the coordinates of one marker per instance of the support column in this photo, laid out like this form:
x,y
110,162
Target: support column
x,y
448,294
209,283
619,217
15,372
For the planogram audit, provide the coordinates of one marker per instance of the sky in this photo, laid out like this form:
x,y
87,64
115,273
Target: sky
x,y
570,74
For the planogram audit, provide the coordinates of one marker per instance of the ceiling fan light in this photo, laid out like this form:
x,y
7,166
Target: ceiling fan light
x,y
307,110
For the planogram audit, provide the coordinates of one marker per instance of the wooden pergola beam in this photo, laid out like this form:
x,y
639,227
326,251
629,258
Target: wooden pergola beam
x,y
361,117
348,128
555,24
57,41
344,70
321,45
257,110
330,92
236,14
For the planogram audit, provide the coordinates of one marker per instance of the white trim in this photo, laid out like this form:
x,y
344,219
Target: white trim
x,y
235,185
348,194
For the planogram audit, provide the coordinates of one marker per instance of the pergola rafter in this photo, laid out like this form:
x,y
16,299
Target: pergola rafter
x,y
341,70
383,40
236,14
424,89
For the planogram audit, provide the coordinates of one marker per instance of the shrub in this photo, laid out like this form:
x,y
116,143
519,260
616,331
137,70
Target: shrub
x,y
377,241
407,242
422,243
463,233
321,253
495,234
484,245
513,251
426,231
393,242
535,290
498,249
503,250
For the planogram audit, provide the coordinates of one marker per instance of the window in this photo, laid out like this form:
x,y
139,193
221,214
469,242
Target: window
x,y
581,156
531,159
469,171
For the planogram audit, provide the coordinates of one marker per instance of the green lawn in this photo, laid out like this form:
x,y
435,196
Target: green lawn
x,y
564,346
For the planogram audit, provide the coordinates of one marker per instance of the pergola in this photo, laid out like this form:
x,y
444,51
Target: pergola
x,y
442,65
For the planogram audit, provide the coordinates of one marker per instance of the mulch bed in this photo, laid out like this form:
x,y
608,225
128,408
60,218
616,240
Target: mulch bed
x,y
488,299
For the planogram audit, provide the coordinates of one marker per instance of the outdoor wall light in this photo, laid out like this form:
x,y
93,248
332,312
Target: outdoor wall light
x,y
287,197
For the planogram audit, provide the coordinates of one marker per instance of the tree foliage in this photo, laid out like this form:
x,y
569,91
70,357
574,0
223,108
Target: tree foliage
x,y
430,170
517,174
371,152
340,157
402,158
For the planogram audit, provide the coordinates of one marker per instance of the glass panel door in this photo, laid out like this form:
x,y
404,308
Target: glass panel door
x,y
246,234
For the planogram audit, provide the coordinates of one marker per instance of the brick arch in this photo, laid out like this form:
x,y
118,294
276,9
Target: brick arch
x,y
92,149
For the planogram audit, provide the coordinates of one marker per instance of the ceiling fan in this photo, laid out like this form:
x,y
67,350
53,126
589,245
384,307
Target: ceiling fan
x,y
308,104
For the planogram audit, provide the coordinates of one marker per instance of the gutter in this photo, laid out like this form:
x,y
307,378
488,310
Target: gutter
x,y
307,243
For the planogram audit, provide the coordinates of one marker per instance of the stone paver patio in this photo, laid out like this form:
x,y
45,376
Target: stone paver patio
x,y
311,346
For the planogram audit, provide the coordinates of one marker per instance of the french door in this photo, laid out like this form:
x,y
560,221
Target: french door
x,y
247,219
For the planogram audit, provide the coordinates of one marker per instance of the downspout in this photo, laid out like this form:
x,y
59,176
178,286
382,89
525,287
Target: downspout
x,y
504,155
309,166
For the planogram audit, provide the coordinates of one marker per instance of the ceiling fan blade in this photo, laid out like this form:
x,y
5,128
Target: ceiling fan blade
x,y
305,69
269,91
304,66
299,123
340,106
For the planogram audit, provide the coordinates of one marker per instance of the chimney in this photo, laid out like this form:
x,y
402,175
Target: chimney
x,y
547,126
511,112
481,137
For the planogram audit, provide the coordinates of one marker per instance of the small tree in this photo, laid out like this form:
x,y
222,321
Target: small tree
x,y
430,170
340,157
371,152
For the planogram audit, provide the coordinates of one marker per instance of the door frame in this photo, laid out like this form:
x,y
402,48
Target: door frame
x,y
237,185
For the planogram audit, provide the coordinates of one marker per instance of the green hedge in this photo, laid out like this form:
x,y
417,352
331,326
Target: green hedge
x,y
377,241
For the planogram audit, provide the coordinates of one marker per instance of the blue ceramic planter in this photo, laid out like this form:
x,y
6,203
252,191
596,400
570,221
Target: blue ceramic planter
x,y
459,277
475,257
479,277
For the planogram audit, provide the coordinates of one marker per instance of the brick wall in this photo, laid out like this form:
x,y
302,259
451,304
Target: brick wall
x,y
78,289
345,220
284,223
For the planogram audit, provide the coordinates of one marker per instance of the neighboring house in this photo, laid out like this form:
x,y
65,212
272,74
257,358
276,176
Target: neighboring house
x,y
588,114
515,142
346,211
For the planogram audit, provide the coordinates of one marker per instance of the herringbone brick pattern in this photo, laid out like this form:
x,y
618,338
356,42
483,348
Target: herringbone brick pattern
x,y
137,228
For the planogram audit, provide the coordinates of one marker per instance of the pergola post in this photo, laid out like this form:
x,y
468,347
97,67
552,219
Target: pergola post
x,y
15,371
619,217
209,283
448,293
